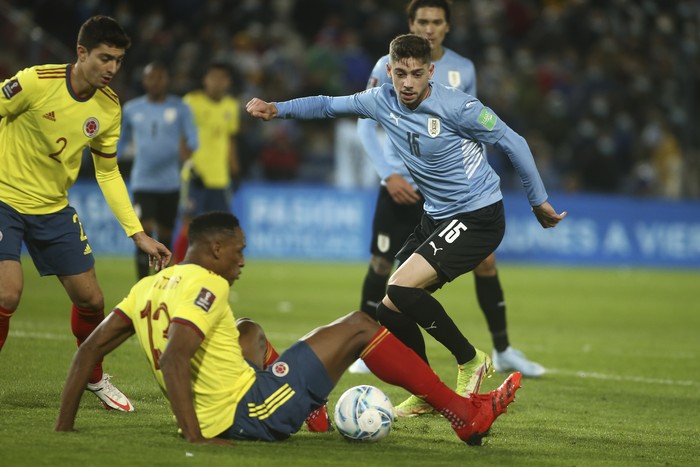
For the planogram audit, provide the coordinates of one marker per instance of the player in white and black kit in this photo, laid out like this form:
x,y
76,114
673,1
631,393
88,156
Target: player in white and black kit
x,y
439,133
400,206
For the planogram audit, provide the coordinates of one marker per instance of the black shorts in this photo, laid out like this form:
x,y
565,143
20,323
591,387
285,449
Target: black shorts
x,y
458,244
159,206
392,224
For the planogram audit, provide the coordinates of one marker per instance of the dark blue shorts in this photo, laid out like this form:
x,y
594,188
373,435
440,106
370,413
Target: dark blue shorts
x,y
281,397
56,242
201,199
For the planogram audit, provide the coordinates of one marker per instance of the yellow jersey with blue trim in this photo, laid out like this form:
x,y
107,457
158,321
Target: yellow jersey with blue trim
x,y
217,122
44,129
193,296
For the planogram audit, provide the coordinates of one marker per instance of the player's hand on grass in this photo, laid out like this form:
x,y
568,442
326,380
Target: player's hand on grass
x,y
64,427
547,216
400,190
258,108
215,442
158,254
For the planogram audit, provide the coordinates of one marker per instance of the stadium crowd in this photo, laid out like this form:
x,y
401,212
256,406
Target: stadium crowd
x,y
604,91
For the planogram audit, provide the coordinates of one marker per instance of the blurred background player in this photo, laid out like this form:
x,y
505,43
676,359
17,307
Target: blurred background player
x,y
208,174
400,205
163,134
50,113
209,365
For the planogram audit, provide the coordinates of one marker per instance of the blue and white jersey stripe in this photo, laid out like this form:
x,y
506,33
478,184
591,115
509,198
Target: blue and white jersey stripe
x,y
445,157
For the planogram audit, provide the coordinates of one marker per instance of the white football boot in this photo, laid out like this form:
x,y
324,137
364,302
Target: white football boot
x,y
514,360
111,397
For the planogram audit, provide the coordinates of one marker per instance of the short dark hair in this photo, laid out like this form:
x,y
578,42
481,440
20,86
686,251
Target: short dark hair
x,y
102,30
212,223
409,46
414,5
222,66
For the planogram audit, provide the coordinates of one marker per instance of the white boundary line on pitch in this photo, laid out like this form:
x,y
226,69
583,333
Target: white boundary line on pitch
x,y
554,371
634,379
41,335
48,336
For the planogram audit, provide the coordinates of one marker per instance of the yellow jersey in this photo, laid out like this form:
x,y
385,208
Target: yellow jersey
x,y
216,122
196,297
43,132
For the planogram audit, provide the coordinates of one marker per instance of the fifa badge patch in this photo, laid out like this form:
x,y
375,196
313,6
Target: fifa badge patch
x,y
91,127
487,119
205,299
433,127
12,88
280,369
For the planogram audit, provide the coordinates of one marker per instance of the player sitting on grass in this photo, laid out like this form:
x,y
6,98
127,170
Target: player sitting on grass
x,y
208,365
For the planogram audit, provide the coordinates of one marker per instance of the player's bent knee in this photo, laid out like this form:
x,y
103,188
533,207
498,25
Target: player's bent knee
x,y
362,321
248,327
252,341
9,300
404,297
487,267
381,266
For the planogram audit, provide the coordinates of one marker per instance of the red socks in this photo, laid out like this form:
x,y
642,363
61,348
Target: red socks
x,y
180,246
270,356
5,316
83,322
391,361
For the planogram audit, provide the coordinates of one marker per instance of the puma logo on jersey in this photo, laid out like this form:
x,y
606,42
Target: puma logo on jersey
x,y
435,248
396,118
50,116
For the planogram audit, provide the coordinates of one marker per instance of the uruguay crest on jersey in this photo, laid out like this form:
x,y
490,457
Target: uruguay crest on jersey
x,y
454,78
433,126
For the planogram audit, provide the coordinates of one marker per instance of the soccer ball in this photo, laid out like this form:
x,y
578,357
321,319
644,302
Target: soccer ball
x,y
364,413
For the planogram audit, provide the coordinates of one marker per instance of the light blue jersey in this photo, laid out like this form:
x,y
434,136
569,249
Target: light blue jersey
x,y
451,70
156,129
440,142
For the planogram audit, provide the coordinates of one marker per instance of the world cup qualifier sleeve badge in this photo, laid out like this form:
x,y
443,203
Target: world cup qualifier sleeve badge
x,y
11,89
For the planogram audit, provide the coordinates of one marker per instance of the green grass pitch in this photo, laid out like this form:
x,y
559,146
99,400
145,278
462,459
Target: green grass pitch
x,y
621,347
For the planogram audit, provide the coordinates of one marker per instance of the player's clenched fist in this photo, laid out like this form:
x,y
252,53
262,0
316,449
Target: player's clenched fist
x,y
260,109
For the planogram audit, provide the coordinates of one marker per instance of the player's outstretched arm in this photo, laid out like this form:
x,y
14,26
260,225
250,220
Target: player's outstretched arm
x,y
258,108
108,336
158,254
547,216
